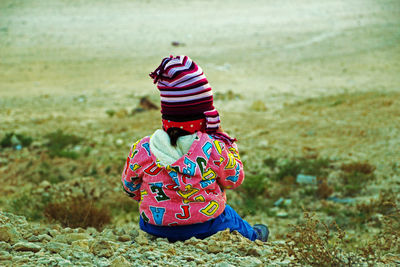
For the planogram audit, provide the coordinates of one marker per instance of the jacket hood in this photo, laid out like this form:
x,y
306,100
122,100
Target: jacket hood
x,y
161,148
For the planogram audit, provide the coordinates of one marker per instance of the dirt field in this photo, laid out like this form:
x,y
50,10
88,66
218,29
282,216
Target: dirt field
x,y
292,80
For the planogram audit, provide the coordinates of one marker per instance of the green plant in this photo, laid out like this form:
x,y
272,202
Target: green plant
x,y
271,162
78,212
317,167
61,144
28,205
48,172
354,177
383,205
254,185
13,139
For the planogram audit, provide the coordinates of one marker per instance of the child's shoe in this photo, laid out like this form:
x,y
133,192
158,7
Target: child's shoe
x,y
262,232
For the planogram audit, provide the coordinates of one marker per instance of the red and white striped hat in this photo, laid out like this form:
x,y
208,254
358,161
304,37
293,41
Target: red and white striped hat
x,y
186,96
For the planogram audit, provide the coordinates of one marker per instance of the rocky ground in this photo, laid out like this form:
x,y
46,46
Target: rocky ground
x,y
27,244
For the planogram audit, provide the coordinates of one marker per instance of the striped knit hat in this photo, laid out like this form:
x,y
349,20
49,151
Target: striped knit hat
x,y
186,96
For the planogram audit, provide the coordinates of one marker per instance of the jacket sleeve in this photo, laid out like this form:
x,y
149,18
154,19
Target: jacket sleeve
x,y
230,172
132,174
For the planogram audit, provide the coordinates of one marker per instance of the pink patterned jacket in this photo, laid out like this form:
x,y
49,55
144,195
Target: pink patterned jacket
x,y
189,191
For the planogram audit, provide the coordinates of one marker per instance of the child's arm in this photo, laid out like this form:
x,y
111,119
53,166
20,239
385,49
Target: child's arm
x,y
131,176
231,173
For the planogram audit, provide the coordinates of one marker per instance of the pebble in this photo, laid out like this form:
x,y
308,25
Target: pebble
x,y
282,214
39,238
4,246
4,255
81,245
54,232
9,234
103,248
26,246
69,238
120,261
223,264
141,238
55,246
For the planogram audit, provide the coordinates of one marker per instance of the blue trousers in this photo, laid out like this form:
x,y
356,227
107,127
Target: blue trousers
x,y
228,219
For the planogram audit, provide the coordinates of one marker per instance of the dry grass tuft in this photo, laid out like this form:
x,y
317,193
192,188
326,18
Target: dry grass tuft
x,y
308,245
324,190
78,212
361,167
387,241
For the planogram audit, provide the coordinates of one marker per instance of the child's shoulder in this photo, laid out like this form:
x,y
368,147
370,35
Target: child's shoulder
x,y
141,144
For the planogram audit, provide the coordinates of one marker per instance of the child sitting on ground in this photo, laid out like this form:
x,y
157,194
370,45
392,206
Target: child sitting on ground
x,y
180,173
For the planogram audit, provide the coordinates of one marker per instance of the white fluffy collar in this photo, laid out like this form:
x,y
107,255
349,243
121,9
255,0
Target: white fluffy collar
x,y
167,154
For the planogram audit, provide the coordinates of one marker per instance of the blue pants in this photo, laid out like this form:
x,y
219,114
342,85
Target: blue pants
x,y
228,219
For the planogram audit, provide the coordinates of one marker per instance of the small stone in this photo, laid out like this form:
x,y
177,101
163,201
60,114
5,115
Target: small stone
x,y
103,248
124,238
4,255
214,247
133,233
67,230
251,262
254,252
176,43
45,184
9,234
108,234
4,246
306,179
91,231
171,251
73,237
282,214
191,241
54,232
82,256
81,245
64,263
56,247
26,246
120,262
259,242
102,262
223,264
141,238
119,142
40,238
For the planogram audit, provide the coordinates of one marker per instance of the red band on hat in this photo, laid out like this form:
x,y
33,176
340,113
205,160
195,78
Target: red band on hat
x,y
190,126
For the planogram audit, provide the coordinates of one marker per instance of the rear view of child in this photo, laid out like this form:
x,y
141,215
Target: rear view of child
x,y
180,173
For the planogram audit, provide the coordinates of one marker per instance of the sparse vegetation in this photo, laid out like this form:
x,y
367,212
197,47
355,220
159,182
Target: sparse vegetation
x,y
313,243
14,140
61,144
78,212
294,167
26,205
355,176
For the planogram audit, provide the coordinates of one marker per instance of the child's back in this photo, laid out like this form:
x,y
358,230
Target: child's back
x,y
183,184
179,174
